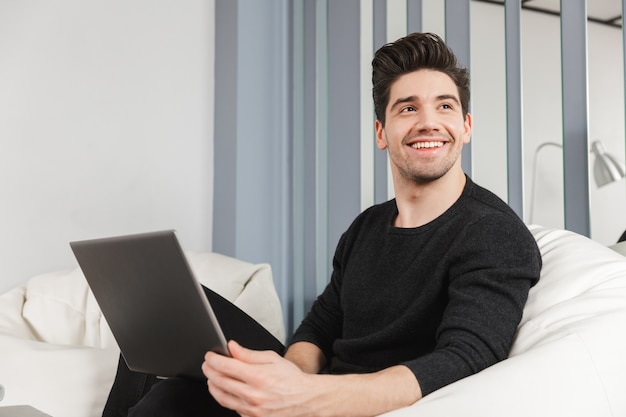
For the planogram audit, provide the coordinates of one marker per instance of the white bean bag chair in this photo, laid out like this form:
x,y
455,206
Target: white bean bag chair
x,y
57,352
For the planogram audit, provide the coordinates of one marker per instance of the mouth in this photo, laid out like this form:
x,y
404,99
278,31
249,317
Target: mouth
x,y
427,145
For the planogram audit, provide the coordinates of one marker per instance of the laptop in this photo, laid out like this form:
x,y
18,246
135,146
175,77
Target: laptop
x,y
163,320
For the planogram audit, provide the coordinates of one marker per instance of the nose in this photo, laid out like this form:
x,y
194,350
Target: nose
x,y
426,120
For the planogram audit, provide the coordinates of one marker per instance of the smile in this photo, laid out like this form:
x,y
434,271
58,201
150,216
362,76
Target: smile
x,y
427,145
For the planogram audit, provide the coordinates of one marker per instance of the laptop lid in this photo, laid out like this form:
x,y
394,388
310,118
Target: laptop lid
x,y
155,307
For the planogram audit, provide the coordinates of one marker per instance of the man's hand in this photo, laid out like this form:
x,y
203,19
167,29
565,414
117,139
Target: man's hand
x,y
262,383
259,383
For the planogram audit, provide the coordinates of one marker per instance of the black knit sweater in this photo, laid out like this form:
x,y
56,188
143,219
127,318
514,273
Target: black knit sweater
x,y
443,299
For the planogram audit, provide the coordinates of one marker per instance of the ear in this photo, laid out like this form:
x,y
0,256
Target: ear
x,y
381,140
468,128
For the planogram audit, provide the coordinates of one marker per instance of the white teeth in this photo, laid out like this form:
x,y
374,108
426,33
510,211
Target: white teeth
x,y
422,145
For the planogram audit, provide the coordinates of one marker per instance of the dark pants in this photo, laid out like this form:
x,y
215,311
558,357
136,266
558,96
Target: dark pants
x,y
135,394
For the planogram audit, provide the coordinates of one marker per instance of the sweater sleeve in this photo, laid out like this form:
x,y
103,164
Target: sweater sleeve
x,y
323,324
491,270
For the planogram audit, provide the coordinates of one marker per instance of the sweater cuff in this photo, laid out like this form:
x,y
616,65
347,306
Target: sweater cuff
x,y
437,370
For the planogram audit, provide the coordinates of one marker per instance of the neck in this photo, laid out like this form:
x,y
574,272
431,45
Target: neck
x,y
419,204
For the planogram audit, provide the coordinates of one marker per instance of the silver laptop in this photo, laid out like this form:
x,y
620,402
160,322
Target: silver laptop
x,y
157,310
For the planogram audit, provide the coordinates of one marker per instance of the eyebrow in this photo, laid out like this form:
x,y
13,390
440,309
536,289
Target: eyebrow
x,y
410,99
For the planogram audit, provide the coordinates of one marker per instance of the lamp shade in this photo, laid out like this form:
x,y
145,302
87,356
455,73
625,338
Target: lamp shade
x,y
606,169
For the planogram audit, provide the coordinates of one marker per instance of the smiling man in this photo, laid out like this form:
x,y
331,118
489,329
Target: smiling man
x,y
426,289
424,133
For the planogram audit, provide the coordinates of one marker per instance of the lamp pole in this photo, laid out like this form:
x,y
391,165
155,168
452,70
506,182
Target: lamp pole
x,y
534,182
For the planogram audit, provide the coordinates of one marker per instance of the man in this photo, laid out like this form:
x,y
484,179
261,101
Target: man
x,y
426,289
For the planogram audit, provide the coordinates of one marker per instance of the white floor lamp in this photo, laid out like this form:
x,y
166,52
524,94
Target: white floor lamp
x,y
606,169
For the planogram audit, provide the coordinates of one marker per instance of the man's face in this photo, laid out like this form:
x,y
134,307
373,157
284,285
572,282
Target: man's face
x,y
424,130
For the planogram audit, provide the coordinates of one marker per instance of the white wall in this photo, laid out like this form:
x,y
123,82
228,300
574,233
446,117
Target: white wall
x,y
542,113
106,121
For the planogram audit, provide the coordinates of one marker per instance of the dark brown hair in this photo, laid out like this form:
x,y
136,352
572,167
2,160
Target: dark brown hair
x,y
412,53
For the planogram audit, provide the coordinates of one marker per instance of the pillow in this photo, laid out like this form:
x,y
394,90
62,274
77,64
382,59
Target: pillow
x,y
60,309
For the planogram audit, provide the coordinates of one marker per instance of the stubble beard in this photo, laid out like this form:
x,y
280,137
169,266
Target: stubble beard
x,y
422,177
425,174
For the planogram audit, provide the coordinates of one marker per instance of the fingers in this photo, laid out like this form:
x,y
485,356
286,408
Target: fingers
x,y
237,366
226,397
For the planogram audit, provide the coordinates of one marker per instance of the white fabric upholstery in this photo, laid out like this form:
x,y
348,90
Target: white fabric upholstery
x,y
57,352
569,355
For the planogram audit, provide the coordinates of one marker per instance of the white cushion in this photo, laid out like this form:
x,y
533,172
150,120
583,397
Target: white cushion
x,y
58,353
568,358
56,308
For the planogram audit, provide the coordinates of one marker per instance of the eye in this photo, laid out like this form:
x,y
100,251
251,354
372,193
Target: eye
x,y
408,109
446,106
